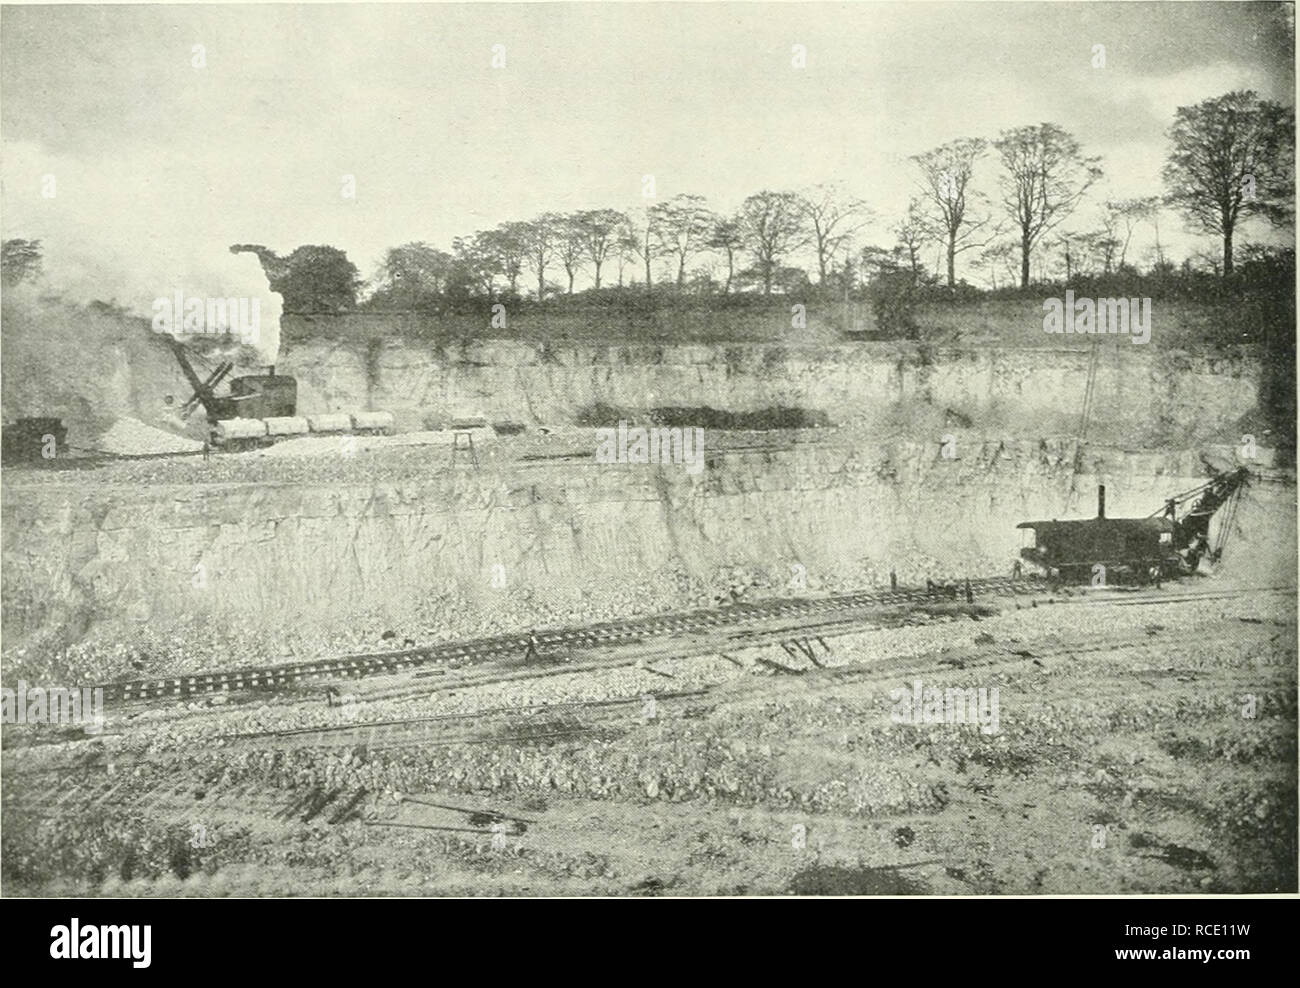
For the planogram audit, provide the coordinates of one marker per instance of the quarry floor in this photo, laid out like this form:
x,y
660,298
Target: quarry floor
x,y
1139,747
358,459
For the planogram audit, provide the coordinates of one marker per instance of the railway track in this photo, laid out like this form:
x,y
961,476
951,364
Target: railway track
x,y
190,778
623,654
604,635
1158,597
381,732
839,622
809,631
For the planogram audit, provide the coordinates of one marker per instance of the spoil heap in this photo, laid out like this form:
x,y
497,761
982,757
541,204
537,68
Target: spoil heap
x,y
131,437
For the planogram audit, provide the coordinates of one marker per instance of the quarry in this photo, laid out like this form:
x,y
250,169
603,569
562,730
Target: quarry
x,y
631,450
831,476
940,452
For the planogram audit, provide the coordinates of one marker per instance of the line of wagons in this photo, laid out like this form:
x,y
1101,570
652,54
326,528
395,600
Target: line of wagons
x,y
246,433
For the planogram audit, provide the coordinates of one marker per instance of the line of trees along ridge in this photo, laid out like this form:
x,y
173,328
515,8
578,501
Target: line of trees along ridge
x,y
1001,207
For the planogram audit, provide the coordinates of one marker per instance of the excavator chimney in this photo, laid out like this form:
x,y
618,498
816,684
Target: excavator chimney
x,y
1101,500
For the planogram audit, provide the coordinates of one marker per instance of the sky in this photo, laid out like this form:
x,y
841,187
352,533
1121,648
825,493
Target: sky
x,y
163,158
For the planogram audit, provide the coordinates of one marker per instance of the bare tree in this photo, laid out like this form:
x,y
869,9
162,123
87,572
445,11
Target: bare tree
x,y
833,217
508,242
914,231
681,227
1098,247
570,245
598,232
638,240
958,209
999,255
539,238
1105,241
1046,177
772,224
1128,213
623,250
1232,157
728,237
1083,251
1063,241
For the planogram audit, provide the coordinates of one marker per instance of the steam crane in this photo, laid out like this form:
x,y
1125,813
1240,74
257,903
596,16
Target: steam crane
x,y
262,408
254,396
1165,544
1192,528
204,391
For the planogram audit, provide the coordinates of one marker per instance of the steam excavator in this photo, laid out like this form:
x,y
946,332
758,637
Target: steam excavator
x,y
1166,544
1192,527
262,408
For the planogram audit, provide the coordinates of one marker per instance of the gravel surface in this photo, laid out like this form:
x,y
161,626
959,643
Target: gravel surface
x,y
347,445
921,635
1122,720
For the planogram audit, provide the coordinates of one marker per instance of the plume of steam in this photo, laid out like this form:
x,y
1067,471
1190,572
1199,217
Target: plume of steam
x,y
106,239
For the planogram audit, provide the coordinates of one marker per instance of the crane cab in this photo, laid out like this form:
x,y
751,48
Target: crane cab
x,y
1130,549
262,396
1134,549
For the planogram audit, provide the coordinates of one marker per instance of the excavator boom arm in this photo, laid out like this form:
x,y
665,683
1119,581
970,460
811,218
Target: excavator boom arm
x,y
201,390
1194,526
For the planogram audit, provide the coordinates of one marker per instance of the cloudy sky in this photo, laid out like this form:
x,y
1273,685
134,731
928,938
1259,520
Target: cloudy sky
x,y
160,163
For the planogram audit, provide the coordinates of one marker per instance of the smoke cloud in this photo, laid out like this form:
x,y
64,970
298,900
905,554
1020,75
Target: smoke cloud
x,y
108,234
106,239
